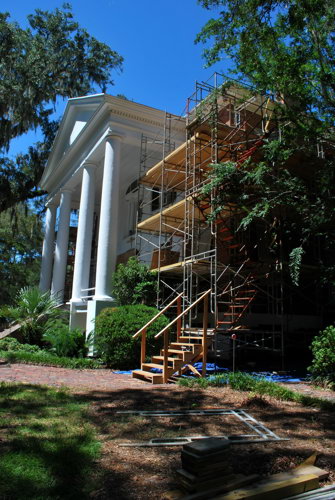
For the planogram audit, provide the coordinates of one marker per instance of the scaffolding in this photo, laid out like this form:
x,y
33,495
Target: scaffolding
x,y
180,234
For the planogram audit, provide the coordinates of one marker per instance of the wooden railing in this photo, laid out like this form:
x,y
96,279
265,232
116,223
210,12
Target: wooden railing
x,y
165,332
143,331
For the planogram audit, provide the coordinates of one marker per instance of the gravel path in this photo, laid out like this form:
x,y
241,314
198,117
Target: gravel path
x,y
59,377
105,379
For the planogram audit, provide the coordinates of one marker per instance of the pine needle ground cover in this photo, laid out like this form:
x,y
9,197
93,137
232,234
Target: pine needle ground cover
x,y
47,445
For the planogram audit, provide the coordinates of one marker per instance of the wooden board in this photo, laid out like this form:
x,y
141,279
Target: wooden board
x,y
237,481
171,170
173,217
274,489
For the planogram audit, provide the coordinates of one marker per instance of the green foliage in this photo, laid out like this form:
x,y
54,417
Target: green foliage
x,y
46,358
64,342
295,264
285,50
51,447
240,381
323,349
13,345
32,310
53,58
133,283
20,245
114,328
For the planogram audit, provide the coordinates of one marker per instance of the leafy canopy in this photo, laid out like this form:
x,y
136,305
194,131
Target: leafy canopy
x,y
133,283
51,59
20,243
280,46
286,48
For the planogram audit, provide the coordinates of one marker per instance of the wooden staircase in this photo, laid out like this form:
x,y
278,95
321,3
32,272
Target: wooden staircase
x,y
237,308
182,354
178,356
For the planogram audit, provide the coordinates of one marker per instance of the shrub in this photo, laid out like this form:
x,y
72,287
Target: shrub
x,y
10,344
63,341
133,283
114,328
48,359
323,349
32,310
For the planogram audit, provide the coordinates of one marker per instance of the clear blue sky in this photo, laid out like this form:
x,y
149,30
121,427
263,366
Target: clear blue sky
x,y
155,37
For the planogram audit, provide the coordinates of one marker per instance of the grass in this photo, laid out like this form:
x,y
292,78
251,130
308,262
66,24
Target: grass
x,y
47,445
48,359
259,386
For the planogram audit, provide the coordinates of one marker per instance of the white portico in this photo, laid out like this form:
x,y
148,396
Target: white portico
x,y
94,160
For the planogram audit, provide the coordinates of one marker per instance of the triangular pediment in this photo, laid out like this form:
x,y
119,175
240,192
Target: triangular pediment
x,y
78,113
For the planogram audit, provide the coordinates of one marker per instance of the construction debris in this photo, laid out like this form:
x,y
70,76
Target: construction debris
x,y
206,473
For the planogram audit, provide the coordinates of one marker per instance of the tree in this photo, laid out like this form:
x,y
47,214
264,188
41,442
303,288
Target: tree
x,y
279,46
133,283
286,49
20,245
53,58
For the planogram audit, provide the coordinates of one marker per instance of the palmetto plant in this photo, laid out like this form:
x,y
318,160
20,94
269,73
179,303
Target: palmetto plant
x,y
32,310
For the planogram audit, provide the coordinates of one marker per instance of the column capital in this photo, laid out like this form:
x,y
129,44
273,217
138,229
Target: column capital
x,y
114,134
51,204
66,190
89,164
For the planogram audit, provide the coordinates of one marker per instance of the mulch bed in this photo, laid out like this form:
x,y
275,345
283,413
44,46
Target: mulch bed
x,y
142,473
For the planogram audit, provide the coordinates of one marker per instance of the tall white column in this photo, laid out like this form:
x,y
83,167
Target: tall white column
x,y
61,249
108,226
84,234
48,248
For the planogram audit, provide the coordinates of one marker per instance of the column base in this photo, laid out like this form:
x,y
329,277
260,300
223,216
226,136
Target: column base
x,y
94,307
78,313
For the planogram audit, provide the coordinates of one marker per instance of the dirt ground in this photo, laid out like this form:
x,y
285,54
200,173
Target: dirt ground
x,y
141,473
132,473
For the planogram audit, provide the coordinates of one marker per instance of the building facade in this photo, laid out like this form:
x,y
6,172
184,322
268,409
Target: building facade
x,y
93,170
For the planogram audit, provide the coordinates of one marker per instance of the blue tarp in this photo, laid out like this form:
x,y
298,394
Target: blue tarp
x,y
213,368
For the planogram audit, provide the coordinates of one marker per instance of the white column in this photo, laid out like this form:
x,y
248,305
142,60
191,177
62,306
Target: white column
x,y
108,226
48,248
84,234
61,250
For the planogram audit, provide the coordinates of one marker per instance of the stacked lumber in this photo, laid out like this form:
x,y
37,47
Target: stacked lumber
x,y
205,465
206,473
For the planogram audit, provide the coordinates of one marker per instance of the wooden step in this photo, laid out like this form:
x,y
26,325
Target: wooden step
x,y
184,355
243,298
191,337
177,363
149,366
160,358
187,345
154,378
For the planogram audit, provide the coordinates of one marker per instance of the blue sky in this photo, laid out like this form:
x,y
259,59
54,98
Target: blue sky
x,y
155,37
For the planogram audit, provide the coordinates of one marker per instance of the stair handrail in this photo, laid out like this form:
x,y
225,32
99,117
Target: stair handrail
x,y
177,318
141,330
